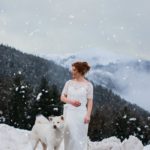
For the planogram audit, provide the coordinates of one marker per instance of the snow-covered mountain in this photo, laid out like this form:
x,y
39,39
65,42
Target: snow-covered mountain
x,y
126,76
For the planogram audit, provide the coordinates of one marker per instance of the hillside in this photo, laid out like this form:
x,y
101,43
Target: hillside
x,y
32,67
115,72
109,108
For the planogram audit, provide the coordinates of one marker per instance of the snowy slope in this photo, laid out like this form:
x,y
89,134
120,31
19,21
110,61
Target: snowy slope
x,y
116,72
147,147
17,139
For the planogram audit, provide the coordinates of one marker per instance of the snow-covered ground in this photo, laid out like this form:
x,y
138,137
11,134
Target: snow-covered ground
x,y
17,139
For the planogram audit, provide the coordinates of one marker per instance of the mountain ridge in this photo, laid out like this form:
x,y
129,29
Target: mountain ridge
x,y
108,106
116,73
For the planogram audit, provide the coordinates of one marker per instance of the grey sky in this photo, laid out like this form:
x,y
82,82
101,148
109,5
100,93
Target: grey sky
x,y
65,26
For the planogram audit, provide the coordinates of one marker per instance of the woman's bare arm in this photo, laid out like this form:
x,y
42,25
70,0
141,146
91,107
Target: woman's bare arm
x,y
64,99
89,107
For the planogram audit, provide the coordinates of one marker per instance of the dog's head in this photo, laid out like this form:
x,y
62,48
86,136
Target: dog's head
x,y
57,121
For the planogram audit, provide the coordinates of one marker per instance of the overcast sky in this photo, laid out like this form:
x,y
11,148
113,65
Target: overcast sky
x,y
66,26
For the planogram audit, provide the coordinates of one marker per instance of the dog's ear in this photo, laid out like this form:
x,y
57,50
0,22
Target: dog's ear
x,y
62,117
50,118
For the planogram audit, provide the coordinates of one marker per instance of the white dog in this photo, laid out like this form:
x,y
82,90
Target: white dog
x,y
49,132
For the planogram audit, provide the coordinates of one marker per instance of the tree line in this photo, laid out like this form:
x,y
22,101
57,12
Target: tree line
x,y
35,89
111,116
25,102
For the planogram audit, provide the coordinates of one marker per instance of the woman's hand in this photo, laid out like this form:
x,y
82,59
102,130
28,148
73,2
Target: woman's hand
x,y
75,103
86,119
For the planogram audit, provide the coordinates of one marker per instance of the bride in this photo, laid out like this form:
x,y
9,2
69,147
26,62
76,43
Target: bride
x,y
78,96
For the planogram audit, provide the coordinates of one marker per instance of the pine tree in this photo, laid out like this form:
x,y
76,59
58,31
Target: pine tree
x,y
47,101
56,104
18,113
127,124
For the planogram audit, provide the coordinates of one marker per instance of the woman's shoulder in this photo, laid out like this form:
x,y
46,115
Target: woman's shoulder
x,y
68,82
89,83
72,81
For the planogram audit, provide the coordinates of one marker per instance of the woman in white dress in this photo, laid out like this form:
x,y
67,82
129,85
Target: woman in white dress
x,y
78,96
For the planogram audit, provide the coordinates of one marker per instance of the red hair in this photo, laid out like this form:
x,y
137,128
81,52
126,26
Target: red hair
x,y
82,67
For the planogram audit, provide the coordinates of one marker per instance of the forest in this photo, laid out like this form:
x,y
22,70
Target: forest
x,y
30,85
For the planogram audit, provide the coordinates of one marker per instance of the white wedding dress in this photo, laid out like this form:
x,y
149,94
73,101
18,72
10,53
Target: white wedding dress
x,y
75,137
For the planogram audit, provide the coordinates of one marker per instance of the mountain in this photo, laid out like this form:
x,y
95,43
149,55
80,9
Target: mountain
x,y
32,67
126,76
108,110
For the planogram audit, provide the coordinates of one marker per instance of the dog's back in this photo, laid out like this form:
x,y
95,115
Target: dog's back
x,y
41,119
39,130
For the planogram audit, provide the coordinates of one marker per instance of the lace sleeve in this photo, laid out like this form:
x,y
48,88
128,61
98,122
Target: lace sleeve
x,y
90,91
65,89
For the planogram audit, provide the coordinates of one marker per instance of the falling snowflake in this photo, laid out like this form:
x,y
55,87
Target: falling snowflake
x,y
39,96
19,72
132,119
55,109
71,16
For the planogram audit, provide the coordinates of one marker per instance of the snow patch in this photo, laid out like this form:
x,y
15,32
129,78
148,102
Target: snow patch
x,y
17,139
